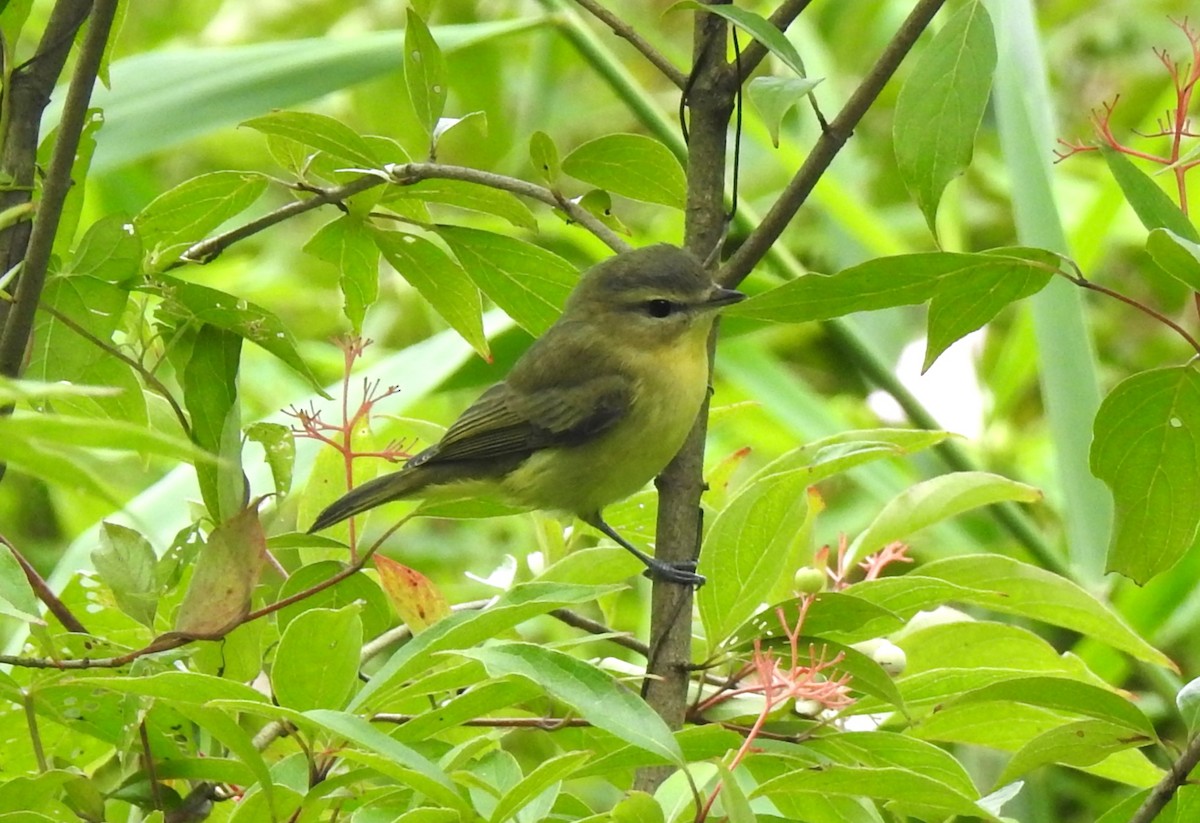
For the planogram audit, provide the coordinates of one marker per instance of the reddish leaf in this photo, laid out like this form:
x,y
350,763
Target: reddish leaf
x,y
419,603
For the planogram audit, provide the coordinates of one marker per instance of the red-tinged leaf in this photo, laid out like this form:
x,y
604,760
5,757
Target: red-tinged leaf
x,y
418,601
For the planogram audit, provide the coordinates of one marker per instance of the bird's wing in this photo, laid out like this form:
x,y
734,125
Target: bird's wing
x,y
506,422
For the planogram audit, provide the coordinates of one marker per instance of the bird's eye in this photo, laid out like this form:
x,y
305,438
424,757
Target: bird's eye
x,y
659,308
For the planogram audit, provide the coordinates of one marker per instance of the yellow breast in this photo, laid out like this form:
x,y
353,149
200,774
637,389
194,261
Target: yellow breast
x,y
670,382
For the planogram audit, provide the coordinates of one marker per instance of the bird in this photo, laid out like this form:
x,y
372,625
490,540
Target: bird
x,y
592,411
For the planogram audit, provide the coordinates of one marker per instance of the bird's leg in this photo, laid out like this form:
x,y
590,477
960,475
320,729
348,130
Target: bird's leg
x,y
683,573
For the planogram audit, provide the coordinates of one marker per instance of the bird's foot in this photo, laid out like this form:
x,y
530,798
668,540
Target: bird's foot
x,y
682,572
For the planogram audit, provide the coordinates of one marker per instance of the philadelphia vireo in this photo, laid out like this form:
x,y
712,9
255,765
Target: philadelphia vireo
x,y
595,408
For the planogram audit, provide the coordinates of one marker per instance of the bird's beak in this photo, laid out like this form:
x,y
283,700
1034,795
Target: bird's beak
x,y
721,297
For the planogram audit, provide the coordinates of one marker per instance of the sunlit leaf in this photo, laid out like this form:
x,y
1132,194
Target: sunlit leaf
x,y
631,165
1147,450
941,104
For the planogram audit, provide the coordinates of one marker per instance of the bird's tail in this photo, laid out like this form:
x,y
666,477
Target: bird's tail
x,y
391,486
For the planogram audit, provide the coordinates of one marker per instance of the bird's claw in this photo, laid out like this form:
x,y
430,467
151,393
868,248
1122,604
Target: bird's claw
x,y
682,572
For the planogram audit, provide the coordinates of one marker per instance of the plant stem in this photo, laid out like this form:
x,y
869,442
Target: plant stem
x,y
622,29
27,90
40,588
1177,775
759,242
19,325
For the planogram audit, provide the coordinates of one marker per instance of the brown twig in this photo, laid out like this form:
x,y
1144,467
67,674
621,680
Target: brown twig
x,y
19,324
27,90
546,724
1079,280
827,146
208,250
44,593
624,30
1176,776
578,621
401,174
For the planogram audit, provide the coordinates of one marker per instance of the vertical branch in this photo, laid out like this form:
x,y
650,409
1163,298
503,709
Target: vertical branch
x,y
710,102
19,324
26,92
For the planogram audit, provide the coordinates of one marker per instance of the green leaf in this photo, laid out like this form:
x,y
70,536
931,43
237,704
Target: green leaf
x,y
932,501
465,629
835,616
593,693
319,132
754,540
349,245
758,27
543,154
424,72
941,105
70,432
843,451
529,283
1177,256
471,196
885,783
358,588
598,203
975,296
60,353
182,687
1083,743
374,748
631,165
26,391
882,748
882,283
226,573
186,214
16,595
546,774
1188,703
127,564
1064,695
1011,587
774,97
316,662
439,280
209,376
1151,204
111,250
1147,450
185,303
279,446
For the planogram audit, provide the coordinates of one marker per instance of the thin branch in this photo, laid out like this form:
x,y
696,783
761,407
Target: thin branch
x,y
146,375
595,627
624,30
781,19
44,593
400,174
1079,280
27,90
19,325
546,724
208,250
1176,776
827,147
405,174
